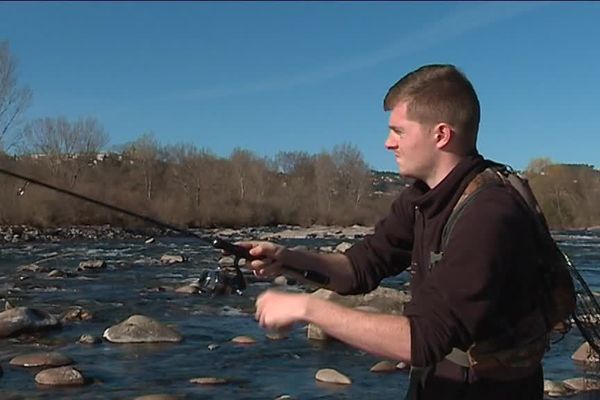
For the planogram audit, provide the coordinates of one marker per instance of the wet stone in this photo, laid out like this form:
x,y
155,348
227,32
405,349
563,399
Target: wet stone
x,y
329,375
172,259
33,268
583,384
243,340
141,329
52,359
88,339
188,289
556,388
91,265
209,380
62,376
384,366
55,273
23,319
76,314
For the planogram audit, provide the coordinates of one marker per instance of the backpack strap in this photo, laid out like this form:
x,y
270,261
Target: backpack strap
x,y
493,354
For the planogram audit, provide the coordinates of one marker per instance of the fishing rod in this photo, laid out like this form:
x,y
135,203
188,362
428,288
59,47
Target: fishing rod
x,y
237,251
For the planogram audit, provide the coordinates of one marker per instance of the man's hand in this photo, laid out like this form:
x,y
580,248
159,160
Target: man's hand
x,y
279,311
268,260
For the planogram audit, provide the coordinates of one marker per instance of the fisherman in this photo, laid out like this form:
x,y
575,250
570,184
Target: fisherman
x,y
479,289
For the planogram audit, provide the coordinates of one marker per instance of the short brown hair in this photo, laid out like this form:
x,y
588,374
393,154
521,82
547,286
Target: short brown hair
x,y
438,93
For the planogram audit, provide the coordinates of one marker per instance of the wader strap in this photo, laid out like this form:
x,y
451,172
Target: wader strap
x,y
416,381
459,357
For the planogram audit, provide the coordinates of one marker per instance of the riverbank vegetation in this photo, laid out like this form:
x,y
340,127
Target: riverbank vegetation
x,y
190,186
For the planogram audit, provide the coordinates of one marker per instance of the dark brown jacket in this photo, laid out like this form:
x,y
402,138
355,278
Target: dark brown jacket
x,y
480,288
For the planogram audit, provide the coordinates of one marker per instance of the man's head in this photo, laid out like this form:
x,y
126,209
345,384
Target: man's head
x,y
439,102
438,93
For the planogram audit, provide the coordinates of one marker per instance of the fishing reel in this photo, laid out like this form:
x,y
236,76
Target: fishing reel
x,y
222,281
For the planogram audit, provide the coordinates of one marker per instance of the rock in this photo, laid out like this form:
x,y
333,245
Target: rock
x,y
92,265
8,305
402,365
585,354
52,359
158,397
172,259
278,335
33,268
243,340
556,388
342,247
326,249
383,366
88,339
280,281
62,376
208,380
55,273
23,319
227,261
141,329
188,289
329,375
76,314
586,384
383,299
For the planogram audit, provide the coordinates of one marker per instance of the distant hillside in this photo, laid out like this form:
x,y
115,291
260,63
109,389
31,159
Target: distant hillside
x,y
387,183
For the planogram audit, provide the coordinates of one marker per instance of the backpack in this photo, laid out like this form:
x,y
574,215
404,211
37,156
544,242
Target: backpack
x,y
527,342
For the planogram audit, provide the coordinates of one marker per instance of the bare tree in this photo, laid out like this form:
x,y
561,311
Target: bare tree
x,y
145,151
57,137
14,100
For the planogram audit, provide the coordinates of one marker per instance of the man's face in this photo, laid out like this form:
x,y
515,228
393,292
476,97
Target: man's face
x,y
413,144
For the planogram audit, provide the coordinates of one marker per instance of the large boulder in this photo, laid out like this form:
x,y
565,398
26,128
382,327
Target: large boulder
x,y
51,359
141,329
22,319
585,354
383,299
61,376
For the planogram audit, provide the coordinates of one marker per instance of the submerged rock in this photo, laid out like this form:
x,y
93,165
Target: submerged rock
x,y
329,375
92,265
76,314
383,299
384,366
22,319
62,376
585,354
556,388
141,329
172,259
209,380
243,340
88,339
53,359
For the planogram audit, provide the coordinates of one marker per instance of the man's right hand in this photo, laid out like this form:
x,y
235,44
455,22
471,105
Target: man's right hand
x,y
269,258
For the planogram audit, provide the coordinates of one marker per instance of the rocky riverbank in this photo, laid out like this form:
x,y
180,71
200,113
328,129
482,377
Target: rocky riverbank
x,y
21,233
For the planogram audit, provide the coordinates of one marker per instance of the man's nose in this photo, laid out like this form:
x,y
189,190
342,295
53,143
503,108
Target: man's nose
x,y
390,143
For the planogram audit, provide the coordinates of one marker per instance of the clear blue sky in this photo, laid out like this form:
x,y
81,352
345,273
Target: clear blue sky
x,y
273,76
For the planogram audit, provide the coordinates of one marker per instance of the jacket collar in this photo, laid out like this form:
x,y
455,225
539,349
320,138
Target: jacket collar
x,y
433,201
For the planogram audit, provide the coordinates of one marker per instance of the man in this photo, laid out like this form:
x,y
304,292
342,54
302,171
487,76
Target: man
x,y
478,291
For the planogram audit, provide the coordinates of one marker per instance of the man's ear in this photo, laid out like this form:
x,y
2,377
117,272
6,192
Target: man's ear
x,y
444,134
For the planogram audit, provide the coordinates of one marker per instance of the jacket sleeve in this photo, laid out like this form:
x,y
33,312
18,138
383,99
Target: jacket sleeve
x,y
387,251
478,287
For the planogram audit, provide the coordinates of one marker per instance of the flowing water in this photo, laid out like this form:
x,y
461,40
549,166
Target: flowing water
x,y
263,370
